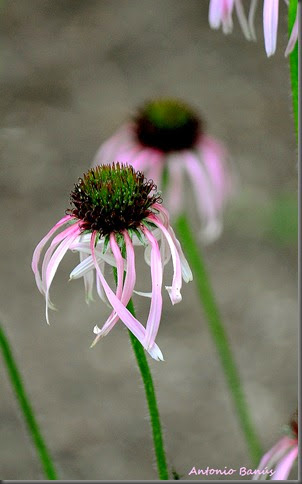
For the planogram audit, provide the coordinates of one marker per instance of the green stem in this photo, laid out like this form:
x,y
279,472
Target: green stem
x,y
293,62
26,407
218,333
150,397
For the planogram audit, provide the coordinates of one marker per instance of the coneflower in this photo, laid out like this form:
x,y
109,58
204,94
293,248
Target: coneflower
x,y
113,209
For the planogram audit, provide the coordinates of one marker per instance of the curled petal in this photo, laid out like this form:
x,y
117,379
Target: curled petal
x,y
39,248
128,319
88,280
156,299
174,290
55,261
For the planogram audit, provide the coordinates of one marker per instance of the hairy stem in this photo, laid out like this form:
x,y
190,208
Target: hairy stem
x,y
26,408
151,399
218,334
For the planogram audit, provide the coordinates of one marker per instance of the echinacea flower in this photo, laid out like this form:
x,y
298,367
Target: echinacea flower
x,y
221,11
282,456
167,140
114,208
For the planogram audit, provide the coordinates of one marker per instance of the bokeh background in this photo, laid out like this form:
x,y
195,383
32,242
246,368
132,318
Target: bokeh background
x,y
71,72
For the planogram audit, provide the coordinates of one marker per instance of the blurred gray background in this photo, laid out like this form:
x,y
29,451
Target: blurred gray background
x,y
71,72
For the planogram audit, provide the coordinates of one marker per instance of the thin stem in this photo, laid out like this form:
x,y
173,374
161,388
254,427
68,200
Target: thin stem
x,y
293,62
218,333
26,408
150,397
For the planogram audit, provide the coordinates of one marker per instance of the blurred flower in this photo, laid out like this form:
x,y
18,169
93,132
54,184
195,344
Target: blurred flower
x,y
167,140
113,209
220,13
282,456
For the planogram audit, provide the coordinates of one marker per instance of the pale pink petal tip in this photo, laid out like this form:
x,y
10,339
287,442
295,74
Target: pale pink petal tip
x,y
175,295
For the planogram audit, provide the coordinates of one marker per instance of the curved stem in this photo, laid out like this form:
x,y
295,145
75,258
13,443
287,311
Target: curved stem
x,y
219,335
26,408
293,62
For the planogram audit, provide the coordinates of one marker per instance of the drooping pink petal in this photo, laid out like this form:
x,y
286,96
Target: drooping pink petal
x,y
99,287
128,319
215,13
55,261
185,268
88,280
274,455
127,289
39,248
242,19
48,254
227,21
270,25
284,466
174,290
211,224
214,156
251,19
156,299
174,195
293,38
141,161
163,214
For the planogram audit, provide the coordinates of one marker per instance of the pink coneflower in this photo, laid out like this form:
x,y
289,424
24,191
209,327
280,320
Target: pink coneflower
x,y
220,13
113,209
282,456
167,140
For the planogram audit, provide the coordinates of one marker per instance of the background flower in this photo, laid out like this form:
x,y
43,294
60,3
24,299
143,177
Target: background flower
x,y
168,141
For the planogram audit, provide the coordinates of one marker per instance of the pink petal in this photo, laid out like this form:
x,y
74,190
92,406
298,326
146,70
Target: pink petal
x,y
251,19
174,290
242,20
293,38
205,198
284,466
273,455
128,319
185,268
55,261
215,13
88,280
39,248
156,300
127,290
175,187
270,25
213,157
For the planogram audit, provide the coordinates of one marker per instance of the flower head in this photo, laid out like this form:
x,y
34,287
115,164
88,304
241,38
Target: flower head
x,y
113,209
166,137
221,11
282,456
